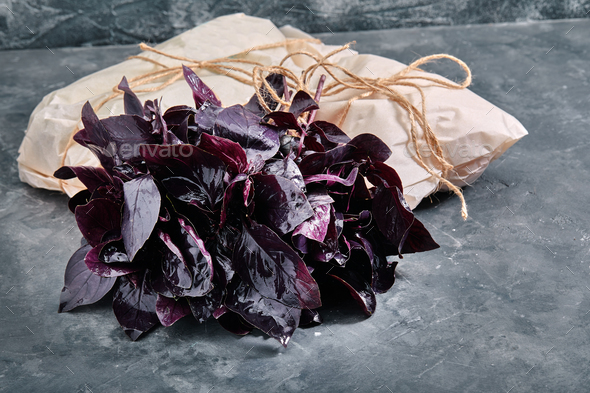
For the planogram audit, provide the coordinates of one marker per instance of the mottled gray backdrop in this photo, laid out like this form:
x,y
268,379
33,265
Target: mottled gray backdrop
x,y
59,23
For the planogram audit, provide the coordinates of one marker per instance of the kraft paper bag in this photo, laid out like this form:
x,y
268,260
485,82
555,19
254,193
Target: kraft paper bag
x,y
471,136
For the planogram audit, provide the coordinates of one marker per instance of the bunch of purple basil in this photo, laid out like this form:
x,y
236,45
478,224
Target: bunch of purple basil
x,y
233,213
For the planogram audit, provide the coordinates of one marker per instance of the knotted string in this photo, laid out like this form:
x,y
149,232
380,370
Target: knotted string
x,y
342,79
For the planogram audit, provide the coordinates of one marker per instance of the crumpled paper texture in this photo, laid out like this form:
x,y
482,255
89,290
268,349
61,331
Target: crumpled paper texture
x,y
471,135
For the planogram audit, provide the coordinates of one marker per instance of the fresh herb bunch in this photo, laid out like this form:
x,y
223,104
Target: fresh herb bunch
x,y
233,212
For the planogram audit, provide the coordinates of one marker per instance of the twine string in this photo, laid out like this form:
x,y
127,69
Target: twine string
x,y
342,79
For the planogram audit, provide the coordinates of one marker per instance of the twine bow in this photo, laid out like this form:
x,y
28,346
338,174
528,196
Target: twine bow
x,y
342,79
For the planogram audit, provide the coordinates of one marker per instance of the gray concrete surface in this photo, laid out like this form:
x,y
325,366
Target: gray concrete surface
x,y
502,306
61,23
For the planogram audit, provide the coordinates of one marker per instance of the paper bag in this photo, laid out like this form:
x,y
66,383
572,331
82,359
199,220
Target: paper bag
x,y
470,134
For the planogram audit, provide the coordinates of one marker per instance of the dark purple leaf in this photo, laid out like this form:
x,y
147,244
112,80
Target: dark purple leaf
x,y
81,286
381,173
310,318
328,132
130,101
271,266
98,217
91,177
229,152
282,120
328,248
173,264
360,290
254,106
280,203
114,251
97,262
128,132
234,323
203,307
286,168
316,163
349,181
81,198
140,212
201,174
178,114
272,317
206,117
95,137
196,258
135,305
312,145
418,239
242,126
315,227
392,215
171,310
369,146
201,92
301,103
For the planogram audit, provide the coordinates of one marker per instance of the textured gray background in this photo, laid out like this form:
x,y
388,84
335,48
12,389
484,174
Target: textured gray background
x,y
503,305
60,23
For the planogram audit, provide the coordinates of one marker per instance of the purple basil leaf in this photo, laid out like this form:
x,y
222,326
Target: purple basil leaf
x,y
206,117
418,239
310,318
383,274
201,180
91,177
128,132
198,258
81,198
81,286
349,181
203,307
171,310
173,265
272,317
234,323
130,101
302,102
97,264
177,119
371,146
360,290
270,265
177,114
236,196
276,82
316,163
96,138
229,152
381,173
315,227
280,203
98,217
113,251
242,126
140,212
286,168
392,215
328,248
201,92
135,305
282,120
328,132
312,145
